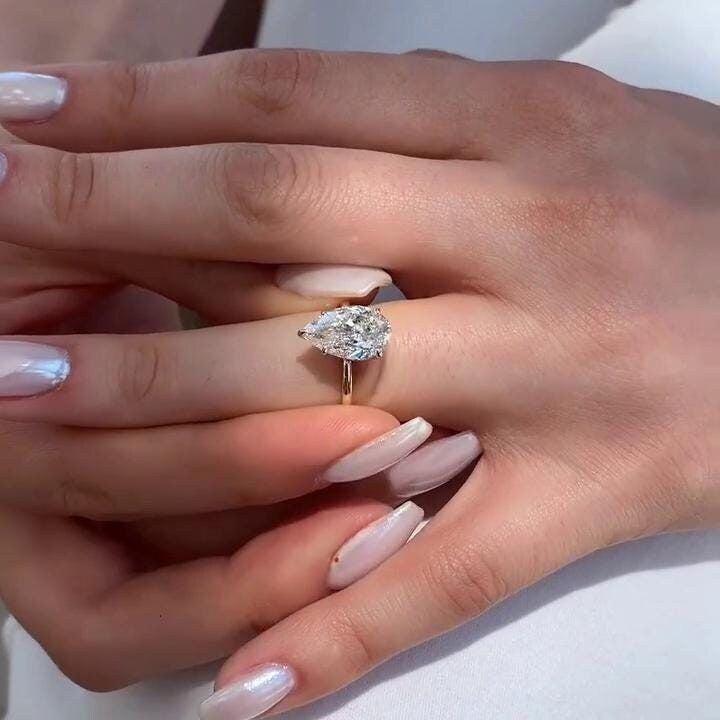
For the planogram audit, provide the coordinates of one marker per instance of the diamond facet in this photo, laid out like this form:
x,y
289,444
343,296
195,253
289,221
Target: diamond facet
x,y
355,332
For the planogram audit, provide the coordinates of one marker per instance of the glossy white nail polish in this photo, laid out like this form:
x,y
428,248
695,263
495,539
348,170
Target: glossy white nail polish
x,y
373,545
3,166
250,695
433,465
379,454
339,281
30,96
28,369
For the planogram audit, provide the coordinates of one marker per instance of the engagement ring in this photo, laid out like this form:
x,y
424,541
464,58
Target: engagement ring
x,y
352,333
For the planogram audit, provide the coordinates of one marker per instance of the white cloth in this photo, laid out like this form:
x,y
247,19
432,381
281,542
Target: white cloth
x,y
631,633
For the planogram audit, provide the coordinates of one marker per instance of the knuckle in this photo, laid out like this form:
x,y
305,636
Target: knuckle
x,y
72,186
75,497
602,228
433,53
131,83
353,642
273,81
263,185
578,101
139,373
87,656
466,580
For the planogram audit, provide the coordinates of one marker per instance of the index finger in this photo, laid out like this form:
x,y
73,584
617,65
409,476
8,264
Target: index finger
x,y
427,105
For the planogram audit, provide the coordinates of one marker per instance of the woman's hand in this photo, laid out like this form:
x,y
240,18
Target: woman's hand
x,y
556,232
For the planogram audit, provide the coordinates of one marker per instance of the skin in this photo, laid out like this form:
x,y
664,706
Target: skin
x,y
554,230
55,470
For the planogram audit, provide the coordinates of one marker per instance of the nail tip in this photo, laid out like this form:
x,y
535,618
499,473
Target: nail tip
x,y
411,434
31,369
251,695
433,465
331,281
373,545
27,97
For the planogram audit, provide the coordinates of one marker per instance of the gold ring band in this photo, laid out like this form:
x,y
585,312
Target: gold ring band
x,y
347,382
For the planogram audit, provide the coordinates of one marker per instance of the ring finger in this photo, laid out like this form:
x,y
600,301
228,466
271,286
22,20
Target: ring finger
x,y
229,371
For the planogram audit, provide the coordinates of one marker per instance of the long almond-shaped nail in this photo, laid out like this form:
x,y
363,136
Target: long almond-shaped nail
x,y
433,465
381,453
28,369
339,281
373,545
30,96
250,695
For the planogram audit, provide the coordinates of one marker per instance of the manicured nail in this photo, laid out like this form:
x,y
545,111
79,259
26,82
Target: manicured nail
x,y
28,369
373,545
380,453
250,695
433,465
3,166
340,281
30,96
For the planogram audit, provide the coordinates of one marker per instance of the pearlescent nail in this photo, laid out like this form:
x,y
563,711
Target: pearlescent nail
x,y
338,281
30,96
3,166
379,454
374,544
251,694
433,465
28,369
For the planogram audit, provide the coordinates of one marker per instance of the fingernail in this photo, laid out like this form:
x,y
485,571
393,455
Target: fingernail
x,y
434,464
341,281
28,369
380,453
3,166
250,695
29,96
373,545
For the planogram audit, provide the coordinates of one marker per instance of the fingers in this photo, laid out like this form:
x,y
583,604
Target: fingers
x,y
183,469
76,592
502,531
225,372
250,203
220,292
336,99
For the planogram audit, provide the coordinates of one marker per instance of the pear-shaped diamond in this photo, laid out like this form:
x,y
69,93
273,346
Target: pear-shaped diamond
x,y
355,332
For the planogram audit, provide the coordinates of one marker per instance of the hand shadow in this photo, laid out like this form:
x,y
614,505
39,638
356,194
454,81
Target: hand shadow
x,y
648,554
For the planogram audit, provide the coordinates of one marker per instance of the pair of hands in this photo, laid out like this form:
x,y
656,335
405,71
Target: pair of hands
x,y
554,232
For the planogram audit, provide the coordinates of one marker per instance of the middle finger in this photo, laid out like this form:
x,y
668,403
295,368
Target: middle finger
x,y
253,203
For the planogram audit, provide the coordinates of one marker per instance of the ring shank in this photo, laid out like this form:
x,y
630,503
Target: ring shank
x,y
347,382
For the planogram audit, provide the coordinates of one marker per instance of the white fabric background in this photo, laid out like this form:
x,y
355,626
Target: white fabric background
x,y
631,633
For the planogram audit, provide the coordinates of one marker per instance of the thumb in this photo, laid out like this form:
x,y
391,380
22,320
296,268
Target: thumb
x,y
501,532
